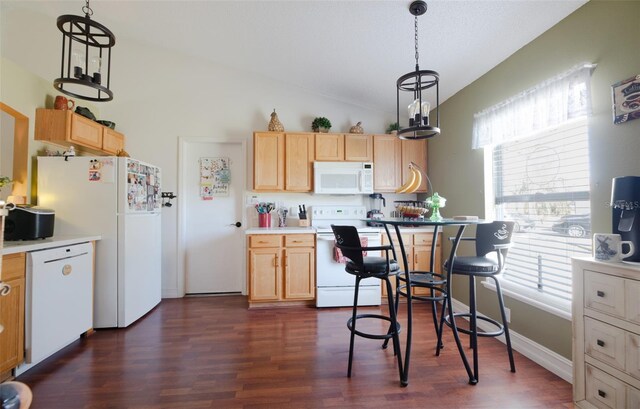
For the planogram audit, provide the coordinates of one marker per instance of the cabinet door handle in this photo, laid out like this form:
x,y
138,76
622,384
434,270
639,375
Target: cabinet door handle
x,y
5,289
297,241
600,293
262,241
602,393
276,260
415,259
600,343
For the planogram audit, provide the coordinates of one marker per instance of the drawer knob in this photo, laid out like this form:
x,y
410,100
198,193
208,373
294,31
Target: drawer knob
x,y
600,293
600,343
602,393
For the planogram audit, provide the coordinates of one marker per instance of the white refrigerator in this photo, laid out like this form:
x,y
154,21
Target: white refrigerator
x,y
119,199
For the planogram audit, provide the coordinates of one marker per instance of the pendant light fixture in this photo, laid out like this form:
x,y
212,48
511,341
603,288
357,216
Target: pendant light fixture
x,y
85,71
414,122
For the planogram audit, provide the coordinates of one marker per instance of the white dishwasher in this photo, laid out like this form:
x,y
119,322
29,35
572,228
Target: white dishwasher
x,y
59,299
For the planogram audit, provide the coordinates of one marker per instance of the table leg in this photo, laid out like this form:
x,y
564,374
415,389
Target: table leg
x,y
456,336
407,353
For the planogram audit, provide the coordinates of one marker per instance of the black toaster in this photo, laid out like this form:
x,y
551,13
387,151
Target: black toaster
x,y
26,222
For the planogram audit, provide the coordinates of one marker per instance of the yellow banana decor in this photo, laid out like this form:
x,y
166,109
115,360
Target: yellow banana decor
x,y
413,182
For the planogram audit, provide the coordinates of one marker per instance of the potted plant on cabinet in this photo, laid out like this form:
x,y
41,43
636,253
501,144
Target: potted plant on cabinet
x,y
321,124
393,128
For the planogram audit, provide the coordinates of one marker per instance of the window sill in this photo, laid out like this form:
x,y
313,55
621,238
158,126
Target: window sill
x,y
543,302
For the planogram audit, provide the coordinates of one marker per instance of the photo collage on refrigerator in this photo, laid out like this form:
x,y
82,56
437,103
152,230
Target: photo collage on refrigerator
x,y
143,187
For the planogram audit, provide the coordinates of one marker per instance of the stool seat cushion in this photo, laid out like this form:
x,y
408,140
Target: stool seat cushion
x,y
373,266
474,266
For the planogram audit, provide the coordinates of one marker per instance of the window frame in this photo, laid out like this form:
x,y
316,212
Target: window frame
x,y
549,303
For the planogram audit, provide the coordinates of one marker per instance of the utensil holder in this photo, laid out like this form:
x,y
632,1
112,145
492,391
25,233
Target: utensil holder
x,y
264,219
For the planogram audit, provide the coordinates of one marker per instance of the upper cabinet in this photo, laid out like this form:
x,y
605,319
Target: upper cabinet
x,y
416,152
283,161
330,147
391,158
268,161
335,147
387,163
299,154
358,148
66,128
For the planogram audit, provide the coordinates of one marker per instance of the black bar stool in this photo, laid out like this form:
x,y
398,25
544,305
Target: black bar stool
x,y
348,241
493,241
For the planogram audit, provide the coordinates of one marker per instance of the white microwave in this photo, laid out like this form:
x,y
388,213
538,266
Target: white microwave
x,y
347,178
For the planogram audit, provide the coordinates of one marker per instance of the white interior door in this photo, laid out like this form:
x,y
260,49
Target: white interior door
x,y
213,244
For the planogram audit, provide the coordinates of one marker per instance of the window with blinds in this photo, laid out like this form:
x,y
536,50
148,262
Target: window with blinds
x,y
541,182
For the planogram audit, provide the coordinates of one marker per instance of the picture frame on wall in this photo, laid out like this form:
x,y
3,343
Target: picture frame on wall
x,y
626,100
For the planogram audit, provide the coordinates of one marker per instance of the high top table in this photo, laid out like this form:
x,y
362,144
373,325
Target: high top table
x,y
437,225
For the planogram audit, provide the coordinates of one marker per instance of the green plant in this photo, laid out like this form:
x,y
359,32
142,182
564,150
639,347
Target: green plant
x,y
320,122
4,180
393,127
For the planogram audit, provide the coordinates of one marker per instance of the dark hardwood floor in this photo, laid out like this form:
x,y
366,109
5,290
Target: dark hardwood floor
x,y
211,352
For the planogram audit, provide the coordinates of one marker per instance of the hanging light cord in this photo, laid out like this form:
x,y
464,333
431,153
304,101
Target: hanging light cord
x,y
89,12
416,38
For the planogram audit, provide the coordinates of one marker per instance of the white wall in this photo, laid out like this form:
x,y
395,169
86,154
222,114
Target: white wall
x,y
160,96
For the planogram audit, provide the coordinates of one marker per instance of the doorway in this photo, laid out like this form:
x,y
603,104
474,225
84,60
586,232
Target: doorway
x,y
211,243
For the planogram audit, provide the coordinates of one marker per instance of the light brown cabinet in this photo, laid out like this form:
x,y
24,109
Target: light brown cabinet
x,y
358,148
268,161
67,128
335,147
283,161
391,158
299,154
281,268
418,250
387,163
329,147
12,313
416,152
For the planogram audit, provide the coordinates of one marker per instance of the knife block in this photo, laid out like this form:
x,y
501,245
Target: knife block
x,y
303,222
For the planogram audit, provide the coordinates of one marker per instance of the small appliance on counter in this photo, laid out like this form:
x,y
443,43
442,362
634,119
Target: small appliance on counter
x,y
625,200
27,222
376,204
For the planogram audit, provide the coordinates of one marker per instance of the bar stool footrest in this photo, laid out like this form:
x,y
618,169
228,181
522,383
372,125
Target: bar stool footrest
x,y
441,294
386,335
496,333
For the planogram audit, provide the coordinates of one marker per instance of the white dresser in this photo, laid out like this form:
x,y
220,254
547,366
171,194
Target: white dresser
x,y
606,334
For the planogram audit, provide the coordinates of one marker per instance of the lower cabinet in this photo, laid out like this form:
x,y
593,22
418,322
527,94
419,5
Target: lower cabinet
x,y
281,268
418,249
606,334
12,313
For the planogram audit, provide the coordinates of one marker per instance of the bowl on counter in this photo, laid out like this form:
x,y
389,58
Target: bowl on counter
x,y
411,208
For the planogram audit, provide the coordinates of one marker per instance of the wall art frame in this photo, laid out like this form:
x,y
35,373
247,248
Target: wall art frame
x,y
626,100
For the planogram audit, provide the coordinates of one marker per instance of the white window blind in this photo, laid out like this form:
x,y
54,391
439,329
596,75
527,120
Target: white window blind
x,y
542,183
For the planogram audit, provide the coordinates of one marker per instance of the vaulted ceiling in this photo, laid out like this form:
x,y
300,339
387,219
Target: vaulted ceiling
x,y
349,50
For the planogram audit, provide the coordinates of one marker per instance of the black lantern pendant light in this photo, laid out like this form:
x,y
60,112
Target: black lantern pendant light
x,y
415,124
86,57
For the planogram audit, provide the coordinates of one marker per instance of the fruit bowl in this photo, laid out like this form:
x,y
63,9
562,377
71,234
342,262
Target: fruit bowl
x,y
411,209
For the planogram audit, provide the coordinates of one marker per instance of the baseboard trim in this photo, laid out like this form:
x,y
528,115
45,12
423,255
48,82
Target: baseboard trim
x,y
543,356
170,293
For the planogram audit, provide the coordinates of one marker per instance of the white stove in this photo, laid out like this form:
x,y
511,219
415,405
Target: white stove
x,y
335,287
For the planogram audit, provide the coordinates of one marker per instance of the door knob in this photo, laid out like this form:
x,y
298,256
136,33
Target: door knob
x,y
237,224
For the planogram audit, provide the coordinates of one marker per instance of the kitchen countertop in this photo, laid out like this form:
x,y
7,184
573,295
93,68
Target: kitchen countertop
x,y
281,230
22,246
312,230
